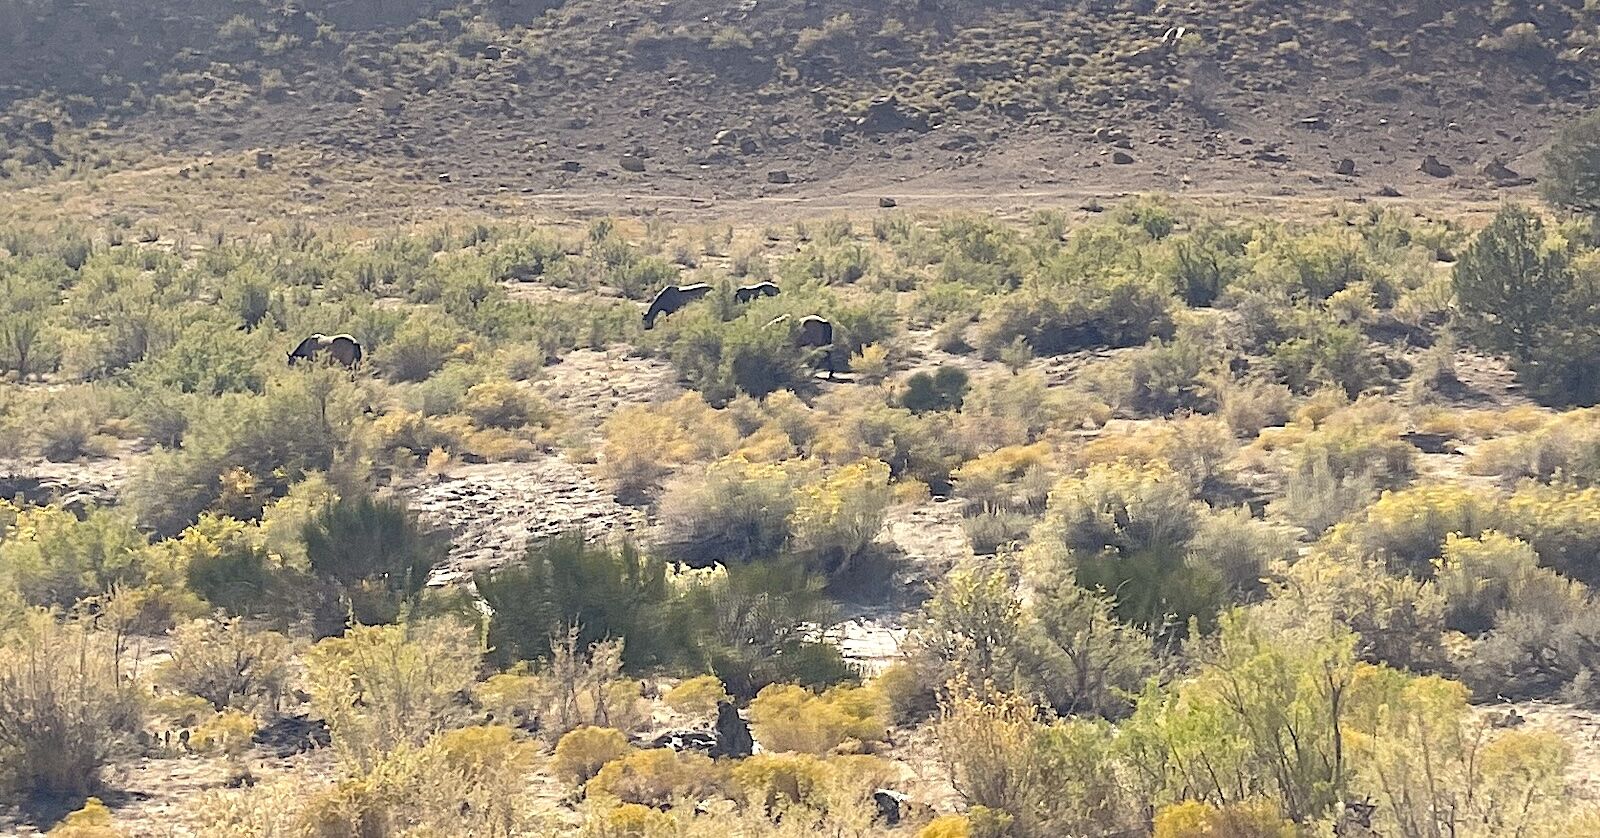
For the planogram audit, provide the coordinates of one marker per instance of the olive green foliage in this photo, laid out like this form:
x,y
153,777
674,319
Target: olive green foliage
x,y
945,389
1572,166
226,564
1132,533
1064,646
738,510
373,553
751,627
567,582
1522,296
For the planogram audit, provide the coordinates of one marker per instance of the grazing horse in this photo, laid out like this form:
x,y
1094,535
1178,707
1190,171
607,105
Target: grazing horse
x,y
745,293
813,331
342,348
672,298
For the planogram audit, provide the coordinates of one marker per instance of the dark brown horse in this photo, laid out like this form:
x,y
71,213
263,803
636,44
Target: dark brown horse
x,y
745,293
344,349
673,298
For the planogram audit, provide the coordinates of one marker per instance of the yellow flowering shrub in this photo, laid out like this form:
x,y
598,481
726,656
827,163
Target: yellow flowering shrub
x,y
785,717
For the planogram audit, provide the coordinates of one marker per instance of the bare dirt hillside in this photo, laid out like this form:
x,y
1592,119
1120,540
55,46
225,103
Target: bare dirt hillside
x,y
778,97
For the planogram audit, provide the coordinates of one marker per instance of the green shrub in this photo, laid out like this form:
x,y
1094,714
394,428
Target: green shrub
x,y
1520,296
1059,312
1572,166
500,404
656,778
697,696
1125,530
1562,524
418,349
752,626
1481,578
565,582
374,554
223,564
837,518
1031,779
1078,656
732,510
944,390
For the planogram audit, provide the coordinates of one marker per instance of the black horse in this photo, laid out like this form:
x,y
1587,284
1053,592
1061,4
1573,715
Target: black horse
x,y
672,298
342,348
745,293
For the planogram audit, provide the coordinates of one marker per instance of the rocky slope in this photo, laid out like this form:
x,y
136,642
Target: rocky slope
x,y
767,96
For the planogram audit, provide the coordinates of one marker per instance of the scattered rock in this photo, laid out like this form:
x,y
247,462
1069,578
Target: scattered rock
x,y
444,178
726,136
831,136
570,166
960,142
44,130
888,203
749,146
886,115
1105,134
631,163
1428,443
686,740
291,735
1121,158
1345,167
1268,155
1497,169
264,160
778,176
77,498
1433,167
1387,191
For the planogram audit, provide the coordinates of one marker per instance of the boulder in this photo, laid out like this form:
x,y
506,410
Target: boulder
x,y
1121,158
778,176
1433,167
749,146
831,136
726,136
1387,191
290,735
886,115
888,203
1105,134
444,177
570,166
1346,167
264,160
631,163
1497,169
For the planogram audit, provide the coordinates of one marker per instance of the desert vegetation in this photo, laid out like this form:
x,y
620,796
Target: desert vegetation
x,y
1254,521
